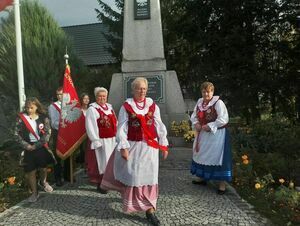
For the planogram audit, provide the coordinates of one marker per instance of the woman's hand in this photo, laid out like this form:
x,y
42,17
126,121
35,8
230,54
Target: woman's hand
x,y
165,154
206,128
125,153
198,127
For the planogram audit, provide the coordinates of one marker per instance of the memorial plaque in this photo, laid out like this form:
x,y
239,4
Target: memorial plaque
x,y
141,9
155,87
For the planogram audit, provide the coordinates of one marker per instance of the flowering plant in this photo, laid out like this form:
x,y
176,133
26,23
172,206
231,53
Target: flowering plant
x,y
245,159
189,136
287,196
10,181
264,182
180,128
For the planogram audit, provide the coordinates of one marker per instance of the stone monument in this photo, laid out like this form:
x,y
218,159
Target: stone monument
x,y
143,55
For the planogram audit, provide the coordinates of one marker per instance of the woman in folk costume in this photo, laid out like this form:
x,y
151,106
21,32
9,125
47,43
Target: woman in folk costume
x,y
32,132
133,168
211,149
101,128
83,148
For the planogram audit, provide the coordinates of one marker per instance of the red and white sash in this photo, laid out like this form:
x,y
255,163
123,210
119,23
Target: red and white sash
x,y
56,107
148,136
31,130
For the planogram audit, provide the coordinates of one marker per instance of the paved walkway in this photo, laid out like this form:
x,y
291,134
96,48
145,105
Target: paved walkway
x,y
180,203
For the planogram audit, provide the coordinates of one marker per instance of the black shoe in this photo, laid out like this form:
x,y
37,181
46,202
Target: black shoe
x,y
221,192
100,190
202,182
152,219
59,183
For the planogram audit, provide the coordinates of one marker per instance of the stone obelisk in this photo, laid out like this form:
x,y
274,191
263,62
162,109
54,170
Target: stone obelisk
x,y
143,55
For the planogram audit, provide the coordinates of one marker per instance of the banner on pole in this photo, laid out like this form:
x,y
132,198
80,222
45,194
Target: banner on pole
x,y
71,132
5,3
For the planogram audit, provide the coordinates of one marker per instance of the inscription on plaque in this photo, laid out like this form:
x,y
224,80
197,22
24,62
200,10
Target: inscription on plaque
x,y
155,87
141,9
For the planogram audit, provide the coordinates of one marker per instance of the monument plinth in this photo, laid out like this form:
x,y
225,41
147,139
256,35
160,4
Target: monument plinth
x,y
143,55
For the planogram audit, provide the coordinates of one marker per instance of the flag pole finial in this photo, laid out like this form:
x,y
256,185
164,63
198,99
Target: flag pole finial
x,y
66,56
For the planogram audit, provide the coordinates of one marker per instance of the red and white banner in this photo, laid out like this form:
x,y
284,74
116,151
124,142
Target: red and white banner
x,y
5,3
71,132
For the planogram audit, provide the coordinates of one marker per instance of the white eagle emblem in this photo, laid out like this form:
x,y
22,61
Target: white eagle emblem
x,y
141,2
69,111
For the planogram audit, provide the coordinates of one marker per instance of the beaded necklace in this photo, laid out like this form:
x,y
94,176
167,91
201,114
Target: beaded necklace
x,y
104,107
137,104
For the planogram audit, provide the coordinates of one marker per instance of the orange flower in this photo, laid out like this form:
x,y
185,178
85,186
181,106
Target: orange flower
x,y
11,180
244,157
258,186
246,162
281,180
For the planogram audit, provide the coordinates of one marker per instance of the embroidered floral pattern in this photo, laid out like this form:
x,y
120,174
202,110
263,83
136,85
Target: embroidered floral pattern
x,y
207,116
135,123
105,121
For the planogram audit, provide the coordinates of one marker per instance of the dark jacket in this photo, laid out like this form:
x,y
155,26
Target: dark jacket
x,y
22,133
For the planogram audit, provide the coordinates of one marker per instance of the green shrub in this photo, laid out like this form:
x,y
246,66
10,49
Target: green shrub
x,y
12,182
273,145
267,166
287,196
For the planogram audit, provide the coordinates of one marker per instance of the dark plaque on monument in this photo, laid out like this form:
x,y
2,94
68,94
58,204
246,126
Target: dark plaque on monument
x,y
141,9
155,87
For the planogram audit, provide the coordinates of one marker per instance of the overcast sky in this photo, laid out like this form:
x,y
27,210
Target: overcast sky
x,y
72,12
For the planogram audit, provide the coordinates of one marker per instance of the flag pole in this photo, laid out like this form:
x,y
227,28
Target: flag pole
x,y
66,56
21,87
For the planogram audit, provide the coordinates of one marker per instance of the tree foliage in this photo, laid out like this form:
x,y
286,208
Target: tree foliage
x,y
43,44
114,20
248,49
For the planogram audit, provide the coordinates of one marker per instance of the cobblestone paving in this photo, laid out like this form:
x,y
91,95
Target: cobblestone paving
x,y
180,203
